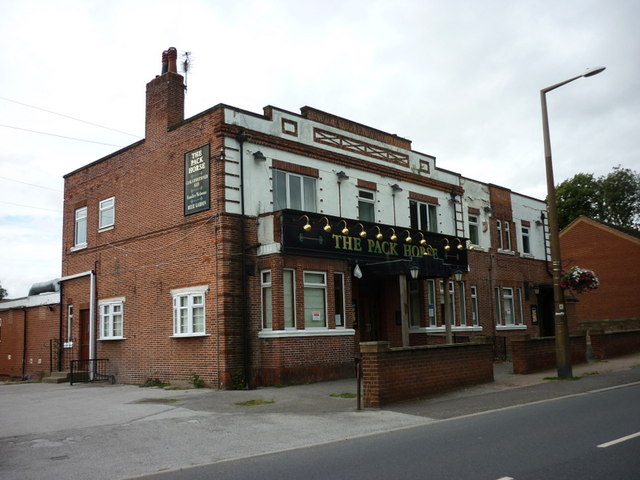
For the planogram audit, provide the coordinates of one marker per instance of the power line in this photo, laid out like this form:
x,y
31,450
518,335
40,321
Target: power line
x,y
61,136
31,184
31,206
67,116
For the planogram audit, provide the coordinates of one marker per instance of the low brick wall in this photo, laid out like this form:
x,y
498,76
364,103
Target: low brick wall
x,y
531,355
395,374
614,344
611,325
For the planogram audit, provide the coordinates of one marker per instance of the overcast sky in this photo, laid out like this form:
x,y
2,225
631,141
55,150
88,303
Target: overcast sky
x,y
460,79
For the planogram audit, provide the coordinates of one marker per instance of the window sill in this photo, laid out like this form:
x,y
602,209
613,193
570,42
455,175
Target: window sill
x,y
511,327
105,229
527,255
476,248
108,339
75,248
310,332
507,252
454,328
191,335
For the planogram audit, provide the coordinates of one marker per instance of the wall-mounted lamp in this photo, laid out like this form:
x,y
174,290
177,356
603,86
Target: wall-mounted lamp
x,y
379,235
457,276
307,225
345,230
363,232
396,188
327,227
447,247
259,156
459,247
423,242
536,290
414,271
393,236
408,239
342,176
487,209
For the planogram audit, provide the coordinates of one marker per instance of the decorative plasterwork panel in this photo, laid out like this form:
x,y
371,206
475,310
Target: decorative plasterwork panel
x,y
362,148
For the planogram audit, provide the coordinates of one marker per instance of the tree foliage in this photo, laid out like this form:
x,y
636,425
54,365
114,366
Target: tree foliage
x,y
613,198
3,292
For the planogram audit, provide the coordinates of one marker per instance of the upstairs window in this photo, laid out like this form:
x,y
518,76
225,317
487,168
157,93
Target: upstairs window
x,y
526,244
106,217
80,238
424,216
294,191
473,229
366,206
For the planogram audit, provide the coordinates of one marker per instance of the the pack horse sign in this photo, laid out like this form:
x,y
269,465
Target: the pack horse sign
x,y
390,248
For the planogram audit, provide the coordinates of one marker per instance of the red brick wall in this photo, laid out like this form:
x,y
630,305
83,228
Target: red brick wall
x,y
614,344
41,325
536,354
393,375
615,258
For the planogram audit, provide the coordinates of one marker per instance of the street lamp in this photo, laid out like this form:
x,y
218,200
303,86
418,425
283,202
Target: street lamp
x,y
563,350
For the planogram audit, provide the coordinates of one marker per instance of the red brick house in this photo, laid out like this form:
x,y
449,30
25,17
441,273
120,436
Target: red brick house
x,y
260,249
613,253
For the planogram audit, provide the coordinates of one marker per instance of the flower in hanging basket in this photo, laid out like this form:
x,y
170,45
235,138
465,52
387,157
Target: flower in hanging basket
x,y
579,280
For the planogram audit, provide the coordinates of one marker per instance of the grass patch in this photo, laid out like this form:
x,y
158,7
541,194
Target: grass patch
x,y
587,374
343,395
254,403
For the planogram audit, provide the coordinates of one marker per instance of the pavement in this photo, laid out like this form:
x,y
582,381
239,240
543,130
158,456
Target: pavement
x,y
122,431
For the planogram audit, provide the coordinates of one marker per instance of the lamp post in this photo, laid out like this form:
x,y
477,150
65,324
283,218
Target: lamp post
x,y
563,350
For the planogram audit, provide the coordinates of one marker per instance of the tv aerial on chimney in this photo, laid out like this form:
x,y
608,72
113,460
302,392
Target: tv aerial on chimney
x,y
185,63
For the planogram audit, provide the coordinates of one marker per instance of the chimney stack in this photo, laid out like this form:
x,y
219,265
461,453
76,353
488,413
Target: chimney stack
x,y
165,97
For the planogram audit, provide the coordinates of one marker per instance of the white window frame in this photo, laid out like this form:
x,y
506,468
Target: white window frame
x,y
106,206
432,308
69,342
190,294
514,296
417,223
109,311
507,236
499,229
266,299
339,300
474,225
80,228
289,323
463,304
308,287
368,199
474,306
526,240
308,189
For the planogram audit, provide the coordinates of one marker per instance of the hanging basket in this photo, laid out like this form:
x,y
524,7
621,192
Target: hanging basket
x,y
579,280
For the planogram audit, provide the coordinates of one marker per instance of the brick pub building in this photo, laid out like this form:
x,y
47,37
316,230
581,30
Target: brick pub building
x,y
261,249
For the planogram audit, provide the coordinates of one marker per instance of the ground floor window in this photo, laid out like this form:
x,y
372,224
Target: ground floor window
x,y
508,302
338,296
463,304
289,283
189,311
315,301
474,306
267,310
111,319
431,303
